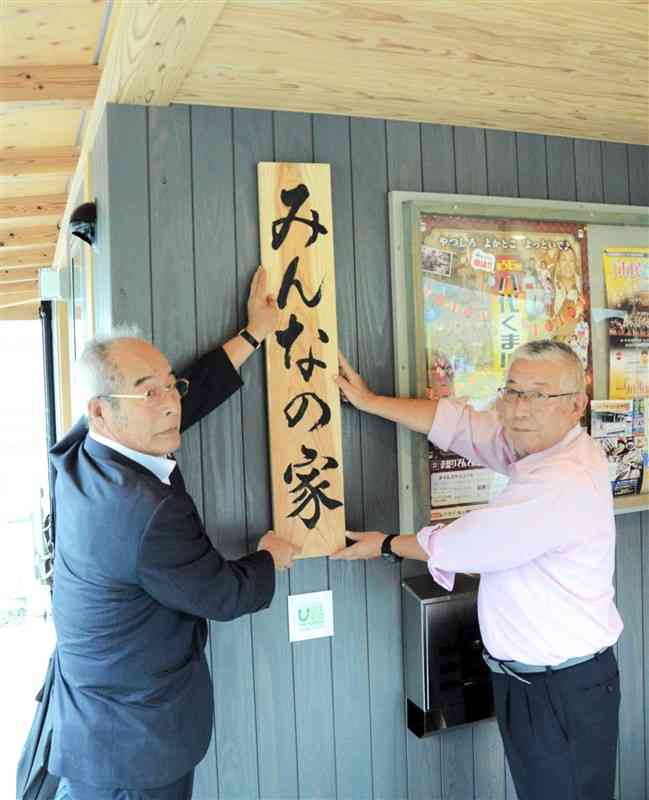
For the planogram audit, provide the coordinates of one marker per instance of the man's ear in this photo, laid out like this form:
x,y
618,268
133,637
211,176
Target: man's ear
x,y
96,414
581,402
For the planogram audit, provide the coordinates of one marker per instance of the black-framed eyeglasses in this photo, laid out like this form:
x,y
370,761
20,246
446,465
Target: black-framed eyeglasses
x,y
155,393
510,395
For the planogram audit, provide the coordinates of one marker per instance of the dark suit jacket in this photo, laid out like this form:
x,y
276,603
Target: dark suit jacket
x,y
134,578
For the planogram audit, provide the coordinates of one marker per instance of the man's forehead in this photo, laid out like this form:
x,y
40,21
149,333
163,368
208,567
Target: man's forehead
x,y
538,373
139,360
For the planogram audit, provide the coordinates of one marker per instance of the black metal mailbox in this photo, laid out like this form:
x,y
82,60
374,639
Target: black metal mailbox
x,y
447,681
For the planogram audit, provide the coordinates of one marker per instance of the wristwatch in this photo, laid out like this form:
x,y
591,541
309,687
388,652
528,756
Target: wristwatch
x,y
248,337
386,549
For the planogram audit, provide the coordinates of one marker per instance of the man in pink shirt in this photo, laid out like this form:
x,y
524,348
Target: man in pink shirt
x,y
545,551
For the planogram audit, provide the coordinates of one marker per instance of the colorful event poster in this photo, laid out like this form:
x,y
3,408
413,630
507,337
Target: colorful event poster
x,y
626,274
490,285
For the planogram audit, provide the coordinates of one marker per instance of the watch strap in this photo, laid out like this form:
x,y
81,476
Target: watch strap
x,y
248,337
386,549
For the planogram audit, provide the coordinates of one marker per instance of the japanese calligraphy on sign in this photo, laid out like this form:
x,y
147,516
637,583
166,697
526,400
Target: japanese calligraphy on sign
x,y
302,355
490,285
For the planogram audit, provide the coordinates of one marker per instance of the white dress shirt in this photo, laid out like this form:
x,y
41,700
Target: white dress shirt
x,y
544,548
160,466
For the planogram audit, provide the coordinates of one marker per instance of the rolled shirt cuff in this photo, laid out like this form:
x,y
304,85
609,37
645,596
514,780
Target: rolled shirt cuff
x,y
426,540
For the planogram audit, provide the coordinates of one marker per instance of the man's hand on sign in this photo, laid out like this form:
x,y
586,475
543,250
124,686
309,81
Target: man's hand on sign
x,y
263,313
282,552
352,387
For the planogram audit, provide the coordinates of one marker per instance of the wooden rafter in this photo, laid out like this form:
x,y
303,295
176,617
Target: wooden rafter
x,y
29,257
38,161
36,206
15,275
152,48
72,86
17,236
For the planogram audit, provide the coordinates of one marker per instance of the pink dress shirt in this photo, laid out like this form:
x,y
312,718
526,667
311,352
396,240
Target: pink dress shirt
x,y
544,548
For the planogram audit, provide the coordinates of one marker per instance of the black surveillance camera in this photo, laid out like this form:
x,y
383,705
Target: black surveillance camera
x,y
83,222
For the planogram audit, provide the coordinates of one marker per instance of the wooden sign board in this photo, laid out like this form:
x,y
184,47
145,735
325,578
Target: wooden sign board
x,y
296,232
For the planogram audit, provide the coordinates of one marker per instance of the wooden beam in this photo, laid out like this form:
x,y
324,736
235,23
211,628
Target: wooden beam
x,y
38,161
153,46
14,275
38,205
22,287
29,257
71,86
18,298
17,236
20,312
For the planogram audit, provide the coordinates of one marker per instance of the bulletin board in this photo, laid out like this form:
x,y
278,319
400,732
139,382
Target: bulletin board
x,y
472,279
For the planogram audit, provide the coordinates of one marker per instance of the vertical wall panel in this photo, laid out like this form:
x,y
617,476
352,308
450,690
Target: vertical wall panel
x,y
352,739
532,165
221,437
121,267
369,175
630,658
588,171
638,175
644,540
470,161
561,168
273,669
328,721
502,176
311,659
615,173
438,158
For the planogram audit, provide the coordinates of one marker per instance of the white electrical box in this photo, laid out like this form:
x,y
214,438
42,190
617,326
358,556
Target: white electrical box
x,y
54,284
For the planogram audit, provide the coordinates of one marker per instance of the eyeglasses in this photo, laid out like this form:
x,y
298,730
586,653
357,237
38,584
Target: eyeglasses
x,y
512,395
156,393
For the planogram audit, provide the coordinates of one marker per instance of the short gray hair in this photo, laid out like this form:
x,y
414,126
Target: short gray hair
x,y
96,372
552,350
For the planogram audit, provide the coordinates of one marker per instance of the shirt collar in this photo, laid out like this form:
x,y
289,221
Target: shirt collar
x,y
160,466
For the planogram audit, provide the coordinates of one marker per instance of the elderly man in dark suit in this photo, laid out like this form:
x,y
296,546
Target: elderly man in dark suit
x,y
135,575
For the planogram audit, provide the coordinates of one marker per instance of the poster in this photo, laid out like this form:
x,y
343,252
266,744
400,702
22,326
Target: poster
x,y
490,285
626,275
618,426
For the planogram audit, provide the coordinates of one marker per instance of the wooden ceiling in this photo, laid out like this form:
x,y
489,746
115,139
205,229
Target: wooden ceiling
x,y
561,67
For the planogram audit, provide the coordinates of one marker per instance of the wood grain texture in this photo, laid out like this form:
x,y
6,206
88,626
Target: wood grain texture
x,y
493,65
26,257
37,206
49,33
38,160
24,86
315,270
13,237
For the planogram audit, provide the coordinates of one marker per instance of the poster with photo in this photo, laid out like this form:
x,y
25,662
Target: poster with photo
x,y
626,275
490,285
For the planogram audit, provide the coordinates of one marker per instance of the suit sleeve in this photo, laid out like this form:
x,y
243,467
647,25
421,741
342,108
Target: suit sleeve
x,y
212,379
178,566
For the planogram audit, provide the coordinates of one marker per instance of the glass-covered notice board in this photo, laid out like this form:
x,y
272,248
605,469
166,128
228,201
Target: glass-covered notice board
x,y
475,277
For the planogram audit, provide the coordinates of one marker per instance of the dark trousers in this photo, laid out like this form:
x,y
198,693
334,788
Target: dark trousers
x,y
560,731
74,790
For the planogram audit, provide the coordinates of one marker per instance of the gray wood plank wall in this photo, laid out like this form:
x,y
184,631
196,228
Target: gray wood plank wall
x,y
177,198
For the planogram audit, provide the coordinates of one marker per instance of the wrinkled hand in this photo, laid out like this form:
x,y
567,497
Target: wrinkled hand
x,y
263,313
352,386
283,552
368,545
